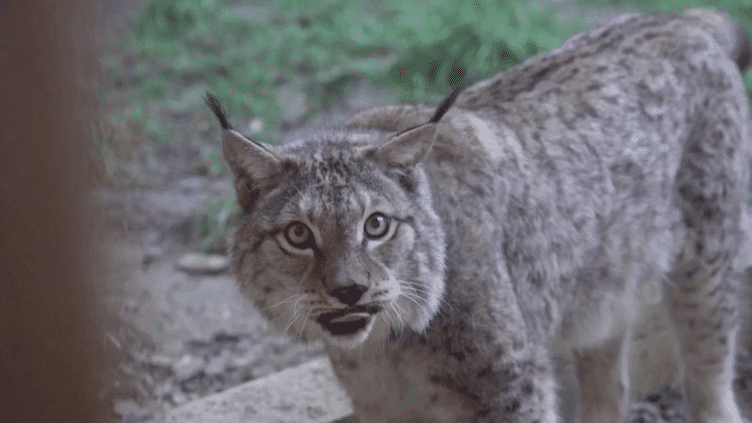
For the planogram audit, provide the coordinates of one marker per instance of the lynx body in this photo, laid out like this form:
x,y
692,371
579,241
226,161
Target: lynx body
x,y
437,253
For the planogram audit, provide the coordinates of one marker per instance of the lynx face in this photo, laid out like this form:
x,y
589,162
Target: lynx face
x,y
338,240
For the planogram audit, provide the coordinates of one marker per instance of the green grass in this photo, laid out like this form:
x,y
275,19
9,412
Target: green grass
x,y
315,47
211,227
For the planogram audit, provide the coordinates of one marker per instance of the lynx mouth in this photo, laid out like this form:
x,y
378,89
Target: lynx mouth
x,y
348,321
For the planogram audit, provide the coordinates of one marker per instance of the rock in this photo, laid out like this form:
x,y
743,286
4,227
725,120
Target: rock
x,y
164,389
207,264
178,397
245,359
192,184
187,366
308,393
151,254
219,363
160,360
256,125
129,410
644,412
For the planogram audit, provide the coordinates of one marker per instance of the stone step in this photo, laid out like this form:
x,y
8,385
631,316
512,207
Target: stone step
x,y
308,393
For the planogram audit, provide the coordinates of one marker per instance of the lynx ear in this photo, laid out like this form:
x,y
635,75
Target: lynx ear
x,y
409,147
246,157
249,161
250,164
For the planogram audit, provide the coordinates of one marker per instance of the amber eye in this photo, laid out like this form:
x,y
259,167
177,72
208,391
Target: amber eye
x,y
298,235
376,226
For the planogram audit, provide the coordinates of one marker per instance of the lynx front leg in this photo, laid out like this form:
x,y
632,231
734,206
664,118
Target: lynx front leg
x,y
526,392
603,382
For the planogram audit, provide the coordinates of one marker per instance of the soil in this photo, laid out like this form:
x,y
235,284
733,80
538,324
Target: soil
x,y
175,335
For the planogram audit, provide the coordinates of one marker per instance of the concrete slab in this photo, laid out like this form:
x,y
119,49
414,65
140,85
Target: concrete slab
x,y
308,393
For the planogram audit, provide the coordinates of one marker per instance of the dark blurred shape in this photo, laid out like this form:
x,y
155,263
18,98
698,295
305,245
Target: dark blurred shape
x,y
47,357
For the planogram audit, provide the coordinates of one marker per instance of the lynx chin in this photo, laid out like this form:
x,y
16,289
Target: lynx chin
x,y
438,251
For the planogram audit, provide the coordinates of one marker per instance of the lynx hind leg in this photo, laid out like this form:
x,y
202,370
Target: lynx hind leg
x,y
602,374
710,184
704,313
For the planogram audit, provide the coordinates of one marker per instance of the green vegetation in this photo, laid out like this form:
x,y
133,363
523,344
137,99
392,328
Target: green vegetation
x,y
210,230
251,54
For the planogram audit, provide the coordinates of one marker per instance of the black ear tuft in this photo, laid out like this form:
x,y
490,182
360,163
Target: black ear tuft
x,y
445,105
219,112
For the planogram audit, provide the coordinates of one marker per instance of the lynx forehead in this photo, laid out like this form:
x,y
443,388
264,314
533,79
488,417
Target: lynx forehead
x,y
437,252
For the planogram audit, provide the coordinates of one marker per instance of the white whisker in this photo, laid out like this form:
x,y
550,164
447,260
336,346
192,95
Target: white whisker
x,y
393,307
294,313
421,292
387,312
305,321
279,303
290,323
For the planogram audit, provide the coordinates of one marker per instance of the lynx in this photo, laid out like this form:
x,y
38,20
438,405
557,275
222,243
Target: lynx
x,y
437,253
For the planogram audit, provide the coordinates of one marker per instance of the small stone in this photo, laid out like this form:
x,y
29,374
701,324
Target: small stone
x,y
218,364
178,397
187,366
246,356
164,389
131,306
192,184
130,410
315,412
151,254
207,264
160,360
243,361
256,125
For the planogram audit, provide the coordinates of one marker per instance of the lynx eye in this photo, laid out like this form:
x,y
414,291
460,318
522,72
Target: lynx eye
x,y
298,235
376,226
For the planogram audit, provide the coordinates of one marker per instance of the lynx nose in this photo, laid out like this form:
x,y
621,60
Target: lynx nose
x,y
349,294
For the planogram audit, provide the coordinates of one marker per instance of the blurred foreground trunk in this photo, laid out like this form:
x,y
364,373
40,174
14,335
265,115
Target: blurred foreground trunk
x,y
48,358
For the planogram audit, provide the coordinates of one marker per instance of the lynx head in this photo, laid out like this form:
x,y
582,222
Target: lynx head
x,y
338,239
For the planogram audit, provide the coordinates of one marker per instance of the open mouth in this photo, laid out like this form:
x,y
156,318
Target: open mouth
x,y
348,321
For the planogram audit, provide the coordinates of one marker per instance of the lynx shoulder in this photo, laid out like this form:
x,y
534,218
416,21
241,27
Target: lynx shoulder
x,y
438,251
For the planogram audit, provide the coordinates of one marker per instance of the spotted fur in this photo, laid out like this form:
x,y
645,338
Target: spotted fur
x,y
437,253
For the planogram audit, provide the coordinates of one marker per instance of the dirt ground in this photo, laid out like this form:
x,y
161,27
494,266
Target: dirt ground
x,y
177,335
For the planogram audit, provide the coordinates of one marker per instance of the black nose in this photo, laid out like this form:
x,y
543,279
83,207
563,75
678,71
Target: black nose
x,y
350,294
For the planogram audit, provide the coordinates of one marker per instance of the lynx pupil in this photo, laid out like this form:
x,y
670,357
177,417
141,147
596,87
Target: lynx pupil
x,y
376,226
297,235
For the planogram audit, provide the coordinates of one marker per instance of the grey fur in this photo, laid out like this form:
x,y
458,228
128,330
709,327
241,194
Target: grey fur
x,y
553,200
